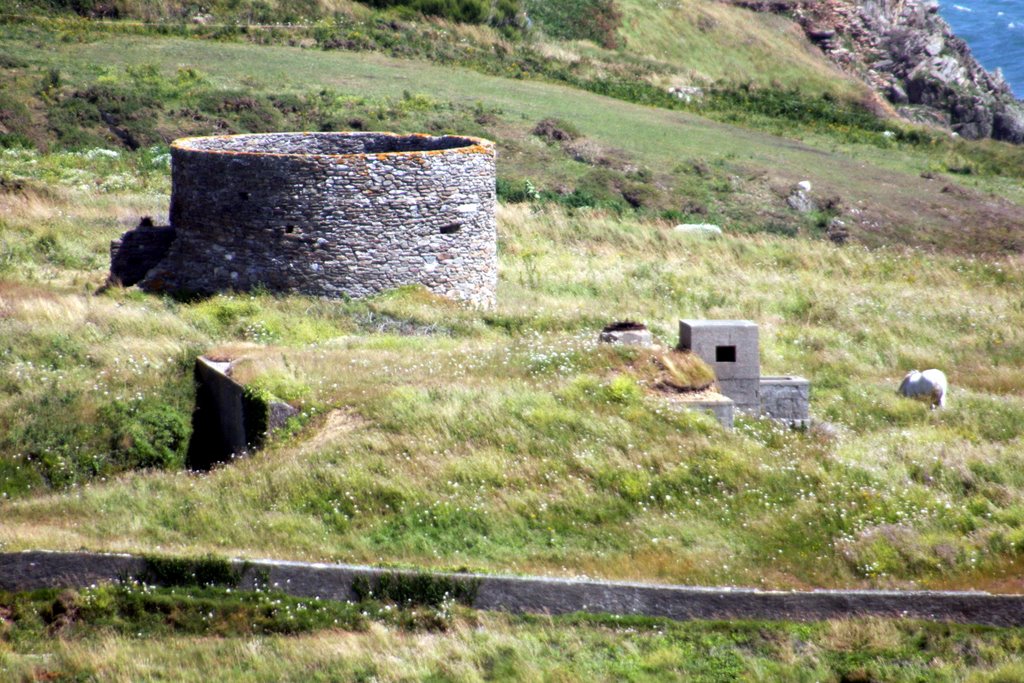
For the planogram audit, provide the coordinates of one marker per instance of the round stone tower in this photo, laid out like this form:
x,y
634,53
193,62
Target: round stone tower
x,y
332,214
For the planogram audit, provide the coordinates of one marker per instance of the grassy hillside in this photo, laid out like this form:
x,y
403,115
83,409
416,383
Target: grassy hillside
x,y
144,91
609,476
436,436
712,41
445,437
693,42
125,634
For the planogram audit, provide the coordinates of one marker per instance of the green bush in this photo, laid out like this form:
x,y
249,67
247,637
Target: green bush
x,y
792,105
465,11
596,20
147,434
184,571
15,119
516,191
416,589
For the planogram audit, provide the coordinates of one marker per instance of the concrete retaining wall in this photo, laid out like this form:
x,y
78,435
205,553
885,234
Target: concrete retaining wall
x,y
723,408
227,421
332,214
32,570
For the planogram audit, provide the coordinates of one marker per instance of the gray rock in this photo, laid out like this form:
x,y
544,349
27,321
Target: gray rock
x,y
837,231
908,53
686,93
1008,124
628,337
897,95
800,201
627,332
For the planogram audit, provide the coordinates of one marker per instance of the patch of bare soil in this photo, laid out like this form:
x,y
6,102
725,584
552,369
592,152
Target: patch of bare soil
x,y
942,215
336,425
881,208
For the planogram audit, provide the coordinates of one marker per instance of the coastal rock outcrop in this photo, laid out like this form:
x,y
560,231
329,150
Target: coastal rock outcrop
x,y
908,54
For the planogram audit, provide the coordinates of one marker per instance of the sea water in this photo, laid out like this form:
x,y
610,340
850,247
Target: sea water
x,y
995,31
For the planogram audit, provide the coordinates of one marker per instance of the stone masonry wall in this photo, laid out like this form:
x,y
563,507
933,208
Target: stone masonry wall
x,y
787,399
138,251
332,214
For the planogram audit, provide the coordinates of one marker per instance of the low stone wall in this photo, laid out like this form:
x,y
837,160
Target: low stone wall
x,y
787,399
332,214
721,408
36,569
138,251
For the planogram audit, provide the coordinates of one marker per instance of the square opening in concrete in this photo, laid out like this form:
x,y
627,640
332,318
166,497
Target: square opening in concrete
x,y
725,354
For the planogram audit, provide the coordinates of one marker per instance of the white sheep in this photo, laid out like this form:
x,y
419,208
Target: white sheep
x,y
928,384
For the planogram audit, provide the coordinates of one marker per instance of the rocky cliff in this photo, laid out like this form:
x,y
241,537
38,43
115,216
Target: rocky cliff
x,y
907,52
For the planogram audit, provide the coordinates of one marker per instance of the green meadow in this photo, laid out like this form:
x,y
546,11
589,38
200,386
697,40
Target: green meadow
x,y
436,436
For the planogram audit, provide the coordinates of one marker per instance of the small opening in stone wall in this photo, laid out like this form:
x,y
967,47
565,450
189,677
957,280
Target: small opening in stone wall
x,y
725,354
244,196
450,229
289,230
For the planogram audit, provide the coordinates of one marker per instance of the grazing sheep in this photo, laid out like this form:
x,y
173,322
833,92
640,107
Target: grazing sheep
x,y
928,384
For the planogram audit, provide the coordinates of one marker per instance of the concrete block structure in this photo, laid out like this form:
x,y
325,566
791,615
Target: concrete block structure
x,y
331,214
228,420
731,348
722,408
786,399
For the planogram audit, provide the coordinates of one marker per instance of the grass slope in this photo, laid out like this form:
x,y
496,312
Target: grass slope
x,y
712,41
666,161
142,634
505,441
432,435
608,479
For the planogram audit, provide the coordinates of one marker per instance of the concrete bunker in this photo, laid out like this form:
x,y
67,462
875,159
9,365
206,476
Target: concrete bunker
x,y
682,379
228,420
731,348
325,214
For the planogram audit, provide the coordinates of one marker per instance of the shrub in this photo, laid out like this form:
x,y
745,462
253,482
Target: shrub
x,y
556,130
516,191
416,589
465,11
780,228
622,389
15,120
792,105
147,434
248,112
9,61
184,571
596,20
